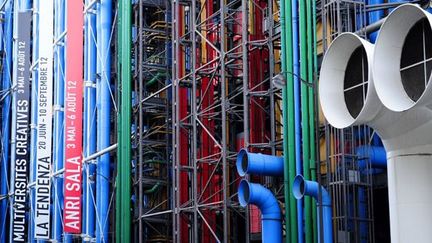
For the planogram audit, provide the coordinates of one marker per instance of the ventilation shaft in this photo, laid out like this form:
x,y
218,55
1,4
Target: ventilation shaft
x,y
387,88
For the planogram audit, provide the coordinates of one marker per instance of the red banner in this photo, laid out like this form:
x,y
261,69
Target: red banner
x,y
73,117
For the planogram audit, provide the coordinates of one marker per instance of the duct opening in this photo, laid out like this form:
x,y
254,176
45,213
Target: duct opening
x,y
345,78
416,59
401,65
245,163
244,193
299,187
356,81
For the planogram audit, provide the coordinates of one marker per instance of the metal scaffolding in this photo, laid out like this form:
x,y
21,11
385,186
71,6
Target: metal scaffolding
x,y
339,171
151,121
223,100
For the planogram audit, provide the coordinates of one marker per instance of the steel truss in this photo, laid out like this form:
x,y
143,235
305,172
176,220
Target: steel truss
x,y
339,168
224,56
151,121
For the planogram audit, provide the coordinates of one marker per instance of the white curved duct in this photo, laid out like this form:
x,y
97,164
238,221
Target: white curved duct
x,y
393,107
402,76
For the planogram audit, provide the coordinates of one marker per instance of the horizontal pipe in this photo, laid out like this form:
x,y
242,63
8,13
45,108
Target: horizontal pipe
x,y
263,198
301,188
259,164
99,153
371,28
375,154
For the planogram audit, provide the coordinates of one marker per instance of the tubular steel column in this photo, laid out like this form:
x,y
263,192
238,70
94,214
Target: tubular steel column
x,y
58,138
103,116
5,111
123,183
89,141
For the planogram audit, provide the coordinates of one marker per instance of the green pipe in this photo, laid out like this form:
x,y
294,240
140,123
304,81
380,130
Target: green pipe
x,y
123,180
155,161
155,79
154,189
288,121
305,118
311,79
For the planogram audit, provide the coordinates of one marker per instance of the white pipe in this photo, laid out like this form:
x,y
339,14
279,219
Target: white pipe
x,y
403,124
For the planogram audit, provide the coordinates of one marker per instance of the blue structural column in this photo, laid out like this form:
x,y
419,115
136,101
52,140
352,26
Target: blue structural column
x,y
89,143
58,139
104,28
6,107
297,117
34,113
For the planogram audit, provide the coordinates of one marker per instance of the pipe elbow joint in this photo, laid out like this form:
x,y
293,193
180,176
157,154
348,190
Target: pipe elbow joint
x,y
259,164
263,198
302,187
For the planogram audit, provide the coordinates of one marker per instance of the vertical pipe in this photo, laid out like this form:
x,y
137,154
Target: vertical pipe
x,y
288,121
297,119
34,118
123,219
58,148
103,168
305,117
6,107
13,123
89,141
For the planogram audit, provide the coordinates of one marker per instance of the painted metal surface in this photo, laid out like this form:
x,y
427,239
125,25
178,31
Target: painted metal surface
x,y
103,101
259,164
263,198
401,122
123,187
303,187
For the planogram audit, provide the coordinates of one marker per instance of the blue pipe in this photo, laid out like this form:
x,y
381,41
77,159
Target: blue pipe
x,y
263,198
302,187
34,118
58,139
375,154
6,77
297,117
259,164
89,141
104,105
373,17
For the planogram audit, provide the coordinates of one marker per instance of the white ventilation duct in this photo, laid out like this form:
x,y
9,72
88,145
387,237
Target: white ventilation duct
x,y
350,85
402,71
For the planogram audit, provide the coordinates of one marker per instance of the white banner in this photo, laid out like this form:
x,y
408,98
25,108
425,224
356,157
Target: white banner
x,y
45,109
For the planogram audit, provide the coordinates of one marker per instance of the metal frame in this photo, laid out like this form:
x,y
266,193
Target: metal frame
x,y
151,114
213,51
